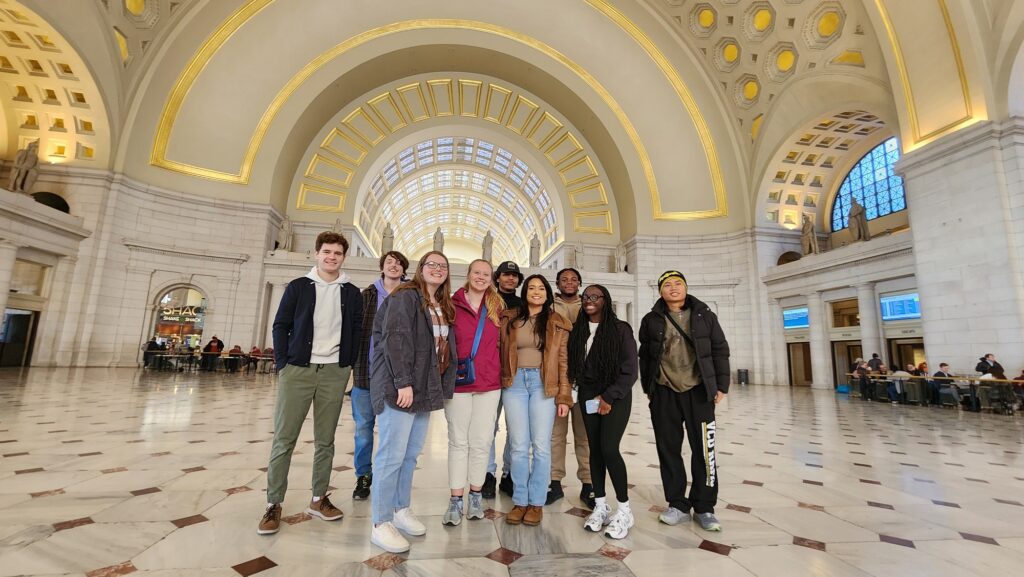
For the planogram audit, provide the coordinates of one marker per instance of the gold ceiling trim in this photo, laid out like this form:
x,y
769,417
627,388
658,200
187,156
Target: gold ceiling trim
x,y
703,132
231,25
908,94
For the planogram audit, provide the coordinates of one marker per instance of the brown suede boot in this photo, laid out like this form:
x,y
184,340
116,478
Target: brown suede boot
x,y
533,516
515,516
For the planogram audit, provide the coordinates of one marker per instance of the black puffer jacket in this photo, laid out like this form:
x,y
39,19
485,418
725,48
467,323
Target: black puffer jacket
x,y
708,341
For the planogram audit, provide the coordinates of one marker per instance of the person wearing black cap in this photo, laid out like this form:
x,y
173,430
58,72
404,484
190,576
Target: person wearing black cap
x,y
684,371
507,279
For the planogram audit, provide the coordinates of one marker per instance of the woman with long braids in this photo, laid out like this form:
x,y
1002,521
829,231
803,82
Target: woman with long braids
x,y
412,373
603,365
533,370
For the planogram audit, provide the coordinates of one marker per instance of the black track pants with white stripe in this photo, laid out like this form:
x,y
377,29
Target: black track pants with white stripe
x,y
673,413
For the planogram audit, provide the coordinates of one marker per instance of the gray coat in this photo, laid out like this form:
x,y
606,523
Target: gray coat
x,y
404,355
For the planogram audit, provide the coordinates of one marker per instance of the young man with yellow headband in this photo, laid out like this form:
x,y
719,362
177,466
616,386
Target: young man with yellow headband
x,y
684,371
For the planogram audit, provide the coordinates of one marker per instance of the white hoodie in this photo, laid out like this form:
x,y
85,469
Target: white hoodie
x,y
326,318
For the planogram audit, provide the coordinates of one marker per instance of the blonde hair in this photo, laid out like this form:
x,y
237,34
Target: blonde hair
x,y
495,304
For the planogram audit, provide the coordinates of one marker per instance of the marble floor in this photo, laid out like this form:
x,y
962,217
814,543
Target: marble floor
x,y
111,472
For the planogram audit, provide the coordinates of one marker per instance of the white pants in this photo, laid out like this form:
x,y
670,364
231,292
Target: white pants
x,y
471,418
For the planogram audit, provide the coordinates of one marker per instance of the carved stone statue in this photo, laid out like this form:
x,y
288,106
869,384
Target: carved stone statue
x,y
577,255
387,241
620,258
24,171
284,235
808,238
488,246
337,226
534,251
858,221
438,240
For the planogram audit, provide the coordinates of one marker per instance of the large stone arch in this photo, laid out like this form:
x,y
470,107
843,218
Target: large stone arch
x,y
675,121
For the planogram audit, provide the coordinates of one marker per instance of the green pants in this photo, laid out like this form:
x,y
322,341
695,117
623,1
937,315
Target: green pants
x,y
323,386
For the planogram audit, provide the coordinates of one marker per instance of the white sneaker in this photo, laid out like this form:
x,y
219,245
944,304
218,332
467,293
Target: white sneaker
x,y
388,538
598,518
407,523
620,524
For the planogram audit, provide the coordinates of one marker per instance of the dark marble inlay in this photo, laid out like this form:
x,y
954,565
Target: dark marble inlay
x,y
754,483
613,552
186,521
27,471
64,525
896,541
254,566
47,493
146,491
1008,502
979,538
809,543
234,490
713,547
881,505
739,508
113,571
870,482
945,503
297,518
21,454
193,469
810,482
811,506
577,512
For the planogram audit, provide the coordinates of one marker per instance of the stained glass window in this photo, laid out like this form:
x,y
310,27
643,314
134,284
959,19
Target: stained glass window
x,y
874,184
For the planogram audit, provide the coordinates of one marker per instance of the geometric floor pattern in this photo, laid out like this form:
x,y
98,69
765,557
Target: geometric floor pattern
x,y
116,471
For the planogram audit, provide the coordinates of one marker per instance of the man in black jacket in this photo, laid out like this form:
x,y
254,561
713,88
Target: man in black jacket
x,y
684,370
316,338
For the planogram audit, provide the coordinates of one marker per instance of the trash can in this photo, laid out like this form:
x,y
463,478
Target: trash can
x,y
743,376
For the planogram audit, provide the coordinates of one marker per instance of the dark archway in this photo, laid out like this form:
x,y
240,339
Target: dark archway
x,y
788,257
52,200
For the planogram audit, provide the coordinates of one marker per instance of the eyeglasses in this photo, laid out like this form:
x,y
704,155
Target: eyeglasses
x,y
436,265
591,298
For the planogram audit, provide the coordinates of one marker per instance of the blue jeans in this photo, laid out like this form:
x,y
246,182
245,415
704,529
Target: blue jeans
x,y
506,454
529,418
362,414
401,440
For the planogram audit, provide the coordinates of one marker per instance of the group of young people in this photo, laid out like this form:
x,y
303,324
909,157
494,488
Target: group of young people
x,y
417,348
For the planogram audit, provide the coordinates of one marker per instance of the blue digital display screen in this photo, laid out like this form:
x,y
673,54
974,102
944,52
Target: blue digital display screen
x,y
901,307
795,318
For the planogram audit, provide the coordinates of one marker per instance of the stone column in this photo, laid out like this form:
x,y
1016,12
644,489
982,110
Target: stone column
x,y
870,331
56,318
779,349
276,292
821,359
8,253
966,197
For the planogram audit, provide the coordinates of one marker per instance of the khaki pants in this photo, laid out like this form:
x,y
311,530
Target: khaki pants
x,y
559,439
322,386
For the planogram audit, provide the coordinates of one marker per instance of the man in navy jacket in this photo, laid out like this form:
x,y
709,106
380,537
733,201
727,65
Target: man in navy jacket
x,y
316,336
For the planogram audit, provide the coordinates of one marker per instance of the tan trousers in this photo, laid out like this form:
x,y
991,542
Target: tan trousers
x,y
559,439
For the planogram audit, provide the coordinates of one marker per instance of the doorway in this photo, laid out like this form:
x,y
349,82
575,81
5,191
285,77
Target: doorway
x,y
904,352
17,335
799,364
843,355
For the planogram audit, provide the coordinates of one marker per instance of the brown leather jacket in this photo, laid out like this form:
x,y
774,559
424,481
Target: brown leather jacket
x,y
555,365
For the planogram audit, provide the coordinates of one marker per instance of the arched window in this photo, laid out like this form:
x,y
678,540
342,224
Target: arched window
x,y
874,184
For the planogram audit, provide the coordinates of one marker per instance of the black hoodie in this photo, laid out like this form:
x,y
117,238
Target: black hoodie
x,y
708,342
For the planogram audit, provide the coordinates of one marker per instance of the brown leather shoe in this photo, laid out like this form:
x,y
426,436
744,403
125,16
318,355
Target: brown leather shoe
x,y
515,516
271,521
533,516
324,509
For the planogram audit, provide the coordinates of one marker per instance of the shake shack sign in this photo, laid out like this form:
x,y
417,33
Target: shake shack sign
x,y
181,314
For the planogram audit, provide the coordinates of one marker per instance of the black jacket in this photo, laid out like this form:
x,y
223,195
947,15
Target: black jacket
x,y
708,342
592,385
293,325
984,368
361,369
405,355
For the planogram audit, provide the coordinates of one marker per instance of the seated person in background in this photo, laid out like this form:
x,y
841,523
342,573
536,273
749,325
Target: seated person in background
x,y
235,358
942,383
867,391
255,354
897,385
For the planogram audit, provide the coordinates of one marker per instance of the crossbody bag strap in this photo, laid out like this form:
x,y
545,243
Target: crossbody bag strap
x,y
682,333
479,331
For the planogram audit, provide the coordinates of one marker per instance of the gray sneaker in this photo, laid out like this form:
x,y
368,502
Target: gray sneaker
x,y
453,516
475,510
708,522
673,516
